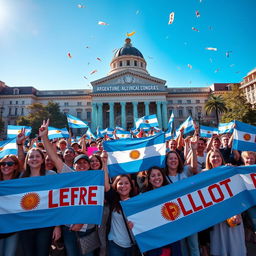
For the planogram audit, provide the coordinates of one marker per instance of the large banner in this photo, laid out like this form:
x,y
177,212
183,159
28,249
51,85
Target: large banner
x,y
68,198
175,211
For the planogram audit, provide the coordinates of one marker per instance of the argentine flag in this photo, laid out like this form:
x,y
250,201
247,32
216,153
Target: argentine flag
x,y
147,121
168,135
14,130
226,127
8,147
74,122
171,122
135,155
187,125
123,134
54,133
244,137
207,131
89,133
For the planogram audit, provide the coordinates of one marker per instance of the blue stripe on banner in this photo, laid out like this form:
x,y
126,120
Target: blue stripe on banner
x,y
58,216
243,145
129,167
50,182
135,143
156,237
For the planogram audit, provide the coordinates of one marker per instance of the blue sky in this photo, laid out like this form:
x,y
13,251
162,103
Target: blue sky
x,y
37,35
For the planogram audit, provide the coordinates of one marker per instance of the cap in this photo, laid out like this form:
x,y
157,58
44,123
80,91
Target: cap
x,y
82,156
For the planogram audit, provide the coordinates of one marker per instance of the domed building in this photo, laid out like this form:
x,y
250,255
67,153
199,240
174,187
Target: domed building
x,y
128,92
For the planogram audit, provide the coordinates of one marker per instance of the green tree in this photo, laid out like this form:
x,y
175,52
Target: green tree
x,y
216,104
39,112
238,107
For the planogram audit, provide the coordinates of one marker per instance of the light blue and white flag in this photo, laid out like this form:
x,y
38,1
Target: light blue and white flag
x,y
226,127
212,196
74,122
14,130
100,132
8,147
90,134
168,135
187,125
54,133
51,200
119,128
171,122
207,131
134,155
123,134
147,121
244,137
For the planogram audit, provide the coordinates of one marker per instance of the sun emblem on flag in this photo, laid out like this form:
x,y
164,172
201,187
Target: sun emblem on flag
x,y
247,136
122,135
74,122
208,132
170,211
58,131
19,131
146,121
30,201
1,148
134,154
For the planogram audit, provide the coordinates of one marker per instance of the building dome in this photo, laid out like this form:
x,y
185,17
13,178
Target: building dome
x,y
128,57
128,49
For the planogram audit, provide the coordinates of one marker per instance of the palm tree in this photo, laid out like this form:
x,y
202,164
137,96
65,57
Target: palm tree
x,y
215,103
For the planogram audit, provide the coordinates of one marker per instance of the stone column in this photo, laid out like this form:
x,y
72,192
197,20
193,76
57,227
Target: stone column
x,y
100,115
146,108
94,117
164,112
111,115
135,111
123,114
159,114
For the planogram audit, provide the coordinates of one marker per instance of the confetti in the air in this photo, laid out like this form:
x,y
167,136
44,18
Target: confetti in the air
x,y
102,23
197,14
171,18
228,54
98,59
195,29
80,6
69,55
190,66
130,34
211,49
94,71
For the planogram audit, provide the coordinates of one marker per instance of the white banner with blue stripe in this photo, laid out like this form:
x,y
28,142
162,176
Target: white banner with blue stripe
x,y
244,137
45,201
134,155
211,196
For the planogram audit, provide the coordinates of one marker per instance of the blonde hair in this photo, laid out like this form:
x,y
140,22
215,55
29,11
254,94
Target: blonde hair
x,y
248,153
208,165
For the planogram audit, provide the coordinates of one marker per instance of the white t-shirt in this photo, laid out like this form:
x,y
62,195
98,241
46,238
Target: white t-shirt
x,y
201,162
118,231
180,176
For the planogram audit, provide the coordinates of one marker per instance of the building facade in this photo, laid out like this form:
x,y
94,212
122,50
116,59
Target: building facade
x,y
126,93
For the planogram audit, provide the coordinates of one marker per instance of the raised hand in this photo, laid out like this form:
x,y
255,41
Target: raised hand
x,y
43,130
21,137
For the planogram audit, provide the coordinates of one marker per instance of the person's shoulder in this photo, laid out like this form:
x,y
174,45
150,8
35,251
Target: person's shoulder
x,y
50,172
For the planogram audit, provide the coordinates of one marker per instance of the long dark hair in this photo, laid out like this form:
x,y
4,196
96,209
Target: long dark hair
x,y
27,171
180,165
147,186
116,200
17,163
98,157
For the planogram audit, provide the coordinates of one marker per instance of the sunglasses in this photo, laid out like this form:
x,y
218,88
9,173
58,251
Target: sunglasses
x,y
7,163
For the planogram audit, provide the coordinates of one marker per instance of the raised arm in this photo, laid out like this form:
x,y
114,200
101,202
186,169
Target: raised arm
x,y
194,164
20,140
43,133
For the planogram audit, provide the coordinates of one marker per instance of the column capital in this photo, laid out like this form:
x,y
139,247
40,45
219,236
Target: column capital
x,y
146,102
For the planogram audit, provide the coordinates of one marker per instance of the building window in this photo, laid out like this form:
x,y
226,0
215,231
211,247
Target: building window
x,y
79,103
190,112
135,63
127,63
170,102
23,102
141,64
22,111
180,112
79,115
88,103
114,65
10,111
189,101
197,101
15,91
120,63
16,111
10,102
17,102
65,104
179,101
88,115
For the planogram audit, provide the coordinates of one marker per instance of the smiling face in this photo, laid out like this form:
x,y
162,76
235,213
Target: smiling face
x,y
215,159
173,145
82,165
123,188
156,178
95,163
49,164
8,168
248,159
172,161
34,159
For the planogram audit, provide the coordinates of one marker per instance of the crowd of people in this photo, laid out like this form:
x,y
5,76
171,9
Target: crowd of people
x,y
185,157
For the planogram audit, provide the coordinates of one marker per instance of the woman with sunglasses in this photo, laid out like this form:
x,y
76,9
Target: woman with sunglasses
x,y
9,169
35,241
